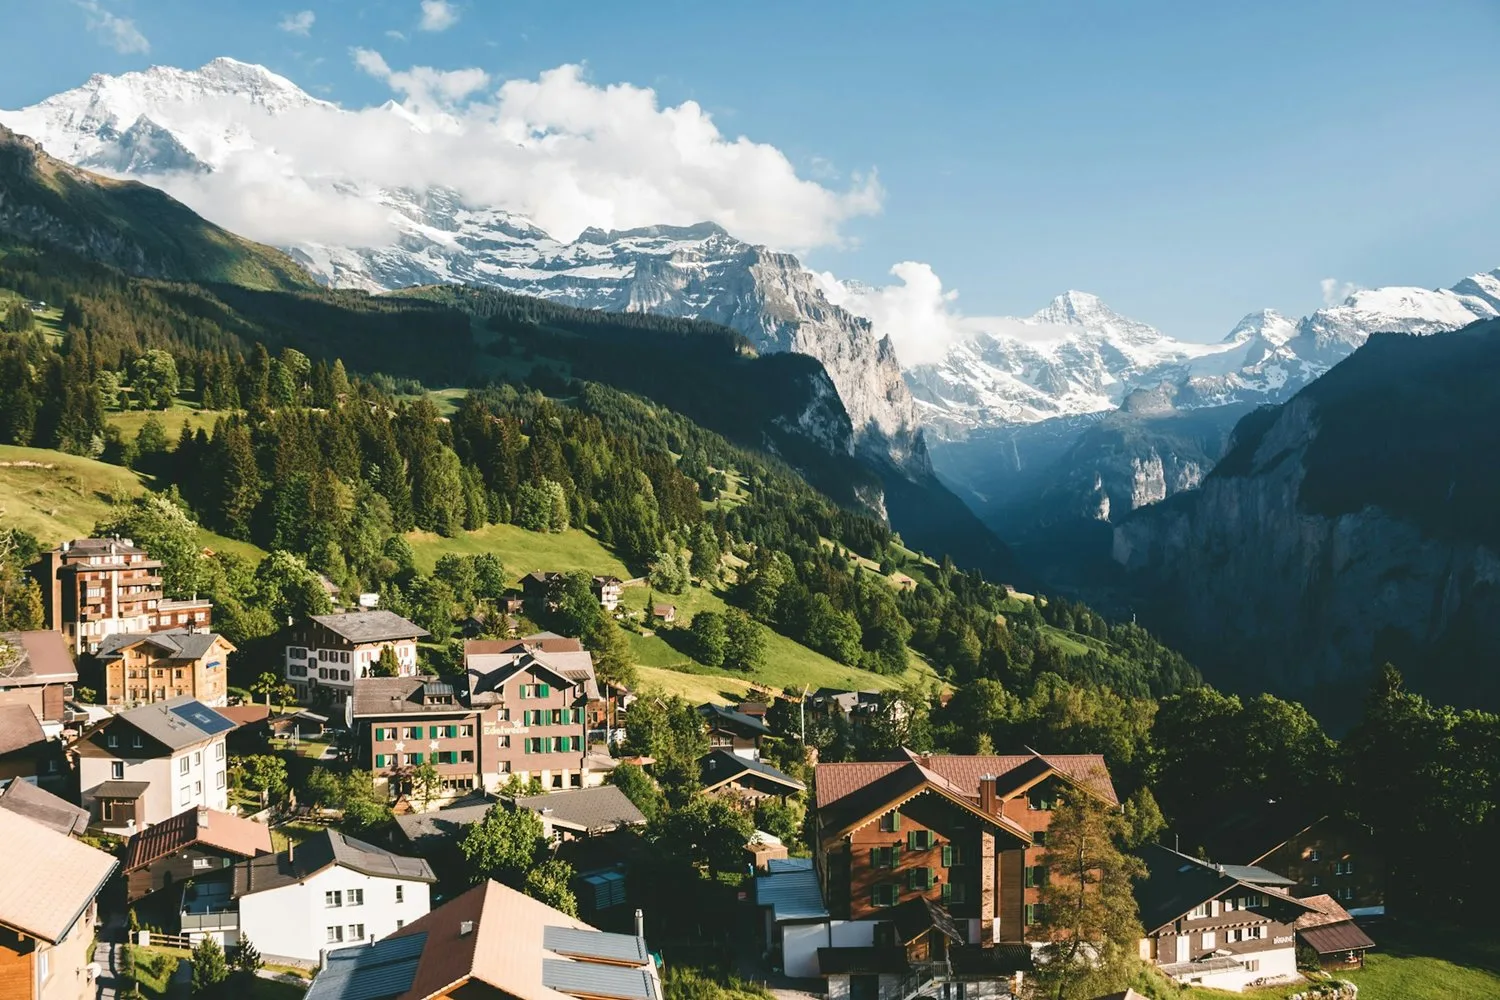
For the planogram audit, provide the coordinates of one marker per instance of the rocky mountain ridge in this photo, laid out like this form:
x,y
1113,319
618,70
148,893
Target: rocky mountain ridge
x,y
166,122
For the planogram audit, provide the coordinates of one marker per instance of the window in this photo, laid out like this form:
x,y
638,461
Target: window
x,y
504,742
952,855
117,770
412,733
333,898
1210,941
1315,855
885,894
111,741
890,822
1345,892
200,863
219,780
400,924
380,760
919,840
1343,868
354,897
559,716
344,656
1255,933
218,751
400,893
136,742
1039,797
466,756
919,879
1234,936
1035,876
1201,910
1315,881
184,795
955,892
466,730
197,788
1039,838
356,932
415,758
182,766
884,857
1035,913
335,935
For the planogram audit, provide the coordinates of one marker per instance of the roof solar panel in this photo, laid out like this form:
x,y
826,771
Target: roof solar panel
x,y
590,979
203,717
597,945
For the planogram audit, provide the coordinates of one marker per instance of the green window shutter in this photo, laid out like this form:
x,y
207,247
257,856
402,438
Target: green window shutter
x,y
416,758
577,715
543,690
416,732
896,820
1043,875
875,895
911,841
380,760
1028,880
947,856
379,734
947,892
874,859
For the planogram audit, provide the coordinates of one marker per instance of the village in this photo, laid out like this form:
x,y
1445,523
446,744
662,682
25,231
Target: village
x,y
323,835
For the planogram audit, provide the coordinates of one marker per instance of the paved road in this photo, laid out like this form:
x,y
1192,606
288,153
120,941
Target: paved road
x,y
107,982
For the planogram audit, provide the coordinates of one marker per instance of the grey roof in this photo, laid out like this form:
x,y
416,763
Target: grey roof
x,y
179,643
381,696
1175,883
777,866
371,626
178,722
41,806
719,766
576,943
121,789
488,671
592,810
591,979
19,728
431,829
1255,875
323,850
791,895
380,971
734,720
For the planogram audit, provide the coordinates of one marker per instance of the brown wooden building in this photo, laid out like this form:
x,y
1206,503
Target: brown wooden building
x,y
939,851
141,668
733,730
95,587
38,672
195,844
1332,855
25,751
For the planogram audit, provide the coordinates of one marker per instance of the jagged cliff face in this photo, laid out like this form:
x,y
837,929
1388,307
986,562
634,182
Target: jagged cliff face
x,y
1268,588
165,122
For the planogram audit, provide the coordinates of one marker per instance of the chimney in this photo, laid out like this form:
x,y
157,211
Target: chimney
x,y
291,850
640,923
465,928
322,959
202,817
989,802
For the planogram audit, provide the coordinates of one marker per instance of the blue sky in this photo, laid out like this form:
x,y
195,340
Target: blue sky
x,y
1188,162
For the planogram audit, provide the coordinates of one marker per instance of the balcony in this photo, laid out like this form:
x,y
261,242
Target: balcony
x,y
207,907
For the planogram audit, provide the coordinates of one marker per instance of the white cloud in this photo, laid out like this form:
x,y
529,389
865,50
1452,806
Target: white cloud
x,y
119,33
423,86
558,149
396,35
438,15
299,23
1335,291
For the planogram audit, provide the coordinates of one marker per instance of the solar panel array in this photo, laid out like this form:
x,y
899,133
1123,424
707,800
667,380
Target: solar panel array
x,y
596,945
379,972
203,717
591,979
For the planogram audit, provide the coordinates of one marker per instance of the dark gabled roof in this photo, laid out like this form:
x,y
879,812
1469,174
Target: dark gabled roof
x,y
40,806
19,728
718,715
1330,939
374,697
718,766
1175,883
361,627
430,830
591,810
376,971
324,850
38,657
178,722
177,643
1244,832
223,832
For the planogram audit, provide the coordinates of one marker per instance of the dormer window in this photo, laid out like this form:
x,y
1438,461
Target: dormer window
x,y
112,741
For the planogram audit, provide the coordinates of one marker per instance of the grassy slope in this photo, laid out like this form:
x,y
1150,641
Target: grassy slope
x,y
788,664
1409,964
130,421
59,497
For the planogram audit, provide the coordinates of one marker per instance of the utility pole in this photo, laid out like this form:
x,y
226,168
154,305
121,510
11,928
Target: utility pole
x,y
802,709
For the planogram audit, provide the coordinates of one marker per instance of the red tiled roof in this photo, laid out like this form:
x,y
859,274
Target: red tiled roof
x,y
1325,910
1333,938
224,832
244,715
961,773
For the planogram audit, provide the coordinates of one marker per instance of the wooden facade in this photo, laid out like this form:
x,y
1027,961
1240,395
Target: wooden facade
x,y
148,671
1335,856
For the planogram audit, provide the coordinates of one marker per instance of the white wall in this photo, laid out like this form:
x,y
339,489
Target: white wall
x,y
163,798
800,943
1274,964
292,921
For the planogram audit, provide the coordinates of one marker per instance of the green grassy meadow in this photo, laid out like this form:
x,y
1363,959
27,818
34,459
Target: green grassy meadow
x,y
130,421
